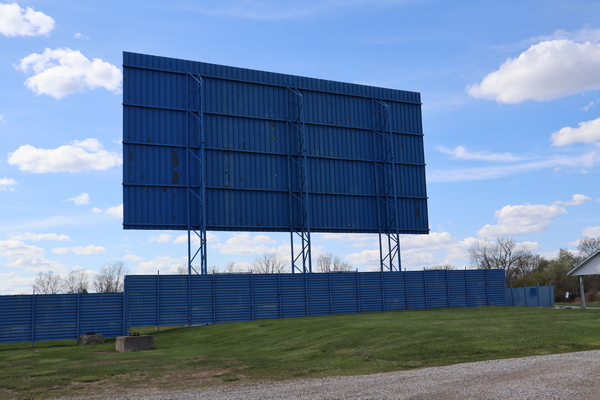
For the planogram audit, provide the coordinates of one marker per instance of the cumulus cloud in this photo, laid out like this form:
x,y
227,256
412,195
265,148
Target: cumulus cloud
x,y
82,199
162,238
244,243
546,71
521,220
591,231
15,21
29,258
576,200
586,132
39,236
166,264
61,72
78,156
132,257
7,185
60,250
116,211
462,153
87,250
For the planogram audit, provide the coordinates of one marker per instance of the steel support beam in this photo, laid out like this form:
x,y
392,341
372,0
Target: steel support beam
x,y
195,176
385,181
298,186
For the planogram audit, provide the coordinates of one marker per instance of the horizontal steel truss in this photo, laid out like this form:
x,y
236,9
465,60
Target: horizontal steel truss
x,y
389,234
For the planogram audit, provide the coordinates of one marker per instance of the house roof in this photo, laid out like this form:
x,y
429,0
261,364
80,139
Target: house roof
x,y
589,266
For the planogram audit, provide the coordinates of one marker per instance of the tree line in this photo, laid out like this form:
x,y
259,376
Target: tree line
x,y
523,267
110,279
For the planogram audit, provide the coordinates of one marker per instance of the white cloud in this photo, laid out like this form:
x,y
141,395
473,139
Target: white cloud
x,y
587,132
116,211
546,71
164,264
244,243
79,156
40,236
2,119
585,160
590,105
132,257
7,185
81,36
29,258
462,153
87,250
591,231
61,72
576,200
15,21
521,220
82,199
60,250
96,210
162,238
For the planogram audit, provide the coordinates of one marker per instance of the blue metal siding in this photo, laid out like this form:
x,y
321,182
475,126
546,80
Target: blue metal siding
x,y
532,296
248,142
31,318
155,300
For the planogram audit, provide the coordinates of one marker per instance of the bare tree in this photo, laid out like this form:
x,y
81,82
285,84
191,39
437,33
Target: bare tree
x,y
329,262
110,279
504,254
441,267
270,263
48,283
588,246
182,270
76,282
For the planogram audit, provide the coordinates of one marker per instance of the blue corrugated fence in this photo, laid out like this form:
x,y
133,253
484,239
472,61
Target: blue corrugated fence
x,y
165,300
532,296
161,300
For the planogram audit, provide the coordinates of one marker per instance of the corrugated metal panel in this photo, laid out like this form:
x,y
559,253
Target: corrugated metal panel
x,y
155,300
248,141
536,296
59,317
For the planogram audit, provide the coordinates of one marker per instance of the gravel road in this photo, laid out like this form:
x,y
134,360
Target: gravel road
x,y
557,376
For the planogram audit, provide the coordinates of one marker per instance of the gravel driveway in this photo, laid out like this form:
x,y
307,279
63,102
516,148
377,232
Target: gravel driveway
x,y
557,376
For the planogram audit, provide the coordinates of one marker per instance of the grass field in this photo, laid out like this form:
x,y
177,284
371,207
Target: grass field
x,y
293,348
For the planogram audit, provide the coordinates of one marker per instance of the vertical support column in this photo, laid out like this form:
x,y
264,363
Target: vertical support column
x,y
125,306
298,185
196,174
581,290
385,181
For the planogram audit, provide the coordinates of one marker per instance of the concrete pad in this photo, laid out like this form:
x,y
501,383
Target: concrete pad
x,y
126,344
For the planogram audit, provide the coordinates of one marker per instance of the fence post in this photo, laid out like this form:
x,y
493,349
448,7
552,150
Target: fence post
x,y
525,295
252,295
158,301
467,286
537,292
78,312
357,290
125,303
382,292
32,317
425,287
406,286
330,295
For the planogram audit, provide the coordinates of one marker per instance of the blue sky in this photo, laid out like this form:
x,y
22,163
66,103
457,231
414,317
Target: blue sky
x,y
511,114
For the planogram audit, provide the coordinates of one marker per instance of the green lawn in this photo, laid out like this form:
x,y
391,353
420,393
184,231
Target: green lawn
x,y
267,350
